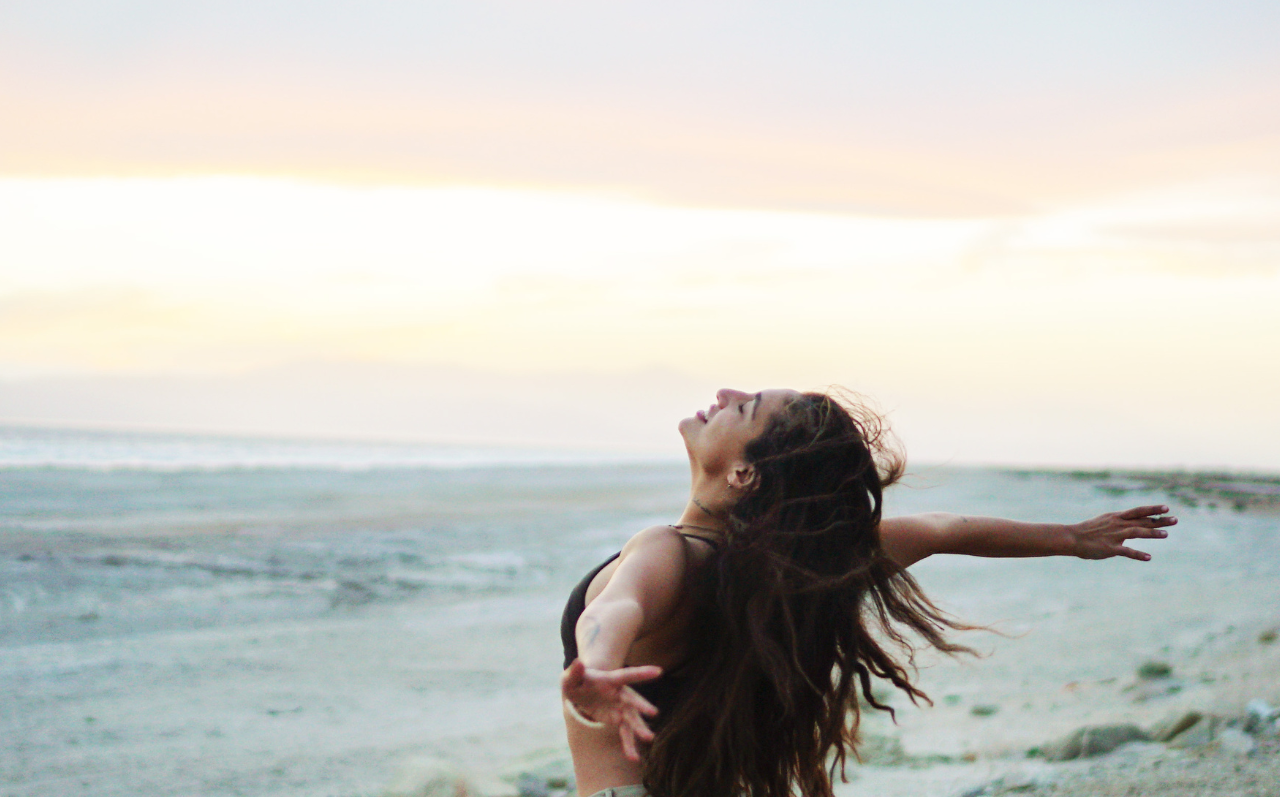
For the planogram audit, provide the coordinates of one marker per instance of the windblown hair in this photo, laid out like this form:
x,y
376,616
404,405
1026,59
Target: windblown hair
x,y
795,615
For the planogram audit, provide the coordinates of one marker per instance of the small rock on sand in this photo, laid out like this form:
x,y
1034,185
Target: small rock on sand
x,y
1200,734
1233,740
1260,718
1174,724
1093,740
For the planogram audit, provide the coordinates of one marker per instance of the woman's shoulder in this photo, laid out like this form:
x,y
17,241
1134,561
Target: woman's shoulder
x,y
662,540
655,568
664,552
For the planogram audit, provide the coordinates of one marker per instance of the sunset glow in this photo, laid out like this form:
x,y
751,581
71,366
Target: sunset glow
x,y
1024,253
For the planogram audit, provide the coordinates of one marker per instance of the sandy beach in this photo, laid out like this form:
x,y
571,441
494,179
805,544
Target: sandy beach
x,y
1078,638
326,632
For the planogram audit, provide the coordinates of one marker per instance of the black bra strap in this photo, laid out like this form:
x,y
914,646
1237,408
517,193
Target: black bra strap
x,y
709,541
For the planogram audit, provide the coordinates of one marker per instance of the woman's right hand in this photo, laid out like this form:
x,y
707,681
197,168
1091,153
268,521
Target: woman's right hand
x,y
606,696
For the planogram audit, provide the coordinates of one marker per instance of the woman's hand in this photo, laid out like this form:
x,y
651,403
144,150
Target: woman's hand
x,y
1105,535
605,696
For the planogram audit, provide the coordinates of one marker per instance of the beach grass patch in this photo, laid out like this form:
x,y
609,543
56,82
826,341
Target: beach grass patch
x,y
1154,670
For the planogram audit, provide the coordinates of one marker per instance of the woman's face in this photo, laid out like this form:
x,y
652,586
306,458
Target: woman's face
x,y
717,437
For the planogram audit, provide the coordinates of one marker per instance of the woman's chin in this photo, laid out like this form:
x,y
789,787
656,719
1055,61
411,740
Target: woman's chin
x,y
691,429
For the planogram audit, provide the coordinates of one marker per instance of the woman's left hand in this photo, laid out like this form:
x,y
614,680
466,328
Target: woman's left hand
x,y
1105,536
606,696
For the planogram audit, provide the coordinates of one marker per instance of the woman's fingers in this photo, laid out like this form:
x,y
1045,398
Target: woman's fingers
x,y
1146,534
608,698
633,675
628,743
630,729
1152,528
1132,554
578,675
1144,511
1104,536
633,699
638,727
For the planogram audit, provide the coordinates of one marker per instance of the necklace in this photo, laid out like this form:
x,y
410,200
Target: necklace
x,y
711,514
699,528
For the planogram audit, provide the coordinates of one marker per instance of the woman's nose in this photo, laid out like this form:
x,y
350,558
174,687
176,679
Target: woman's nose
x,y
725,395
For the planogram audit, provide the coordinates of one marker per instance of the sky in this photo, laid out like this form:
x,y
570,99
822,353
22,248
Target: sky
x,y
1039,234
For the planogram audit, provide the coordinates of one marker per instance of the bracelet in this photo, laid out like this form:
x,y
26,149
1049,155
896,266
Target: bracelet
x,y
572,710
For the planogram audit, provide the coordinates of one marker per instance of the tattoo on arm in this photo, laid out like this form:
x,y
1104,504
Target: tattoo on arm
x,y
593,631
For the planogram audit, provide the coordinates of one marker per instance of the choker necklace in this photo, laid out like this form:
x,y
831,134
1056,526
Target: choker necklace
x,y
699,528
710,514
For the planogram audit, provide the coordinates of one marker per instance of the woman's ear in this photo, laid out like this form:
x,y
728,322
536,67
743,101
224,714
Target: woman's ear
x,y
742,477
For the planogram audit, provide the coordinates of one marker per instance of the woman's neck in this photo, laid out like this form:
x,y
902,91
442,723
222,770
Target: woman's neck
x,y
704,515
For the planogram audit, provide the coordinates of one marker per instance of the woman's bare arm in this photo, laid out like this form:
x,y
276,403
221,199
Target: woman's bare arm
x,y
642,592
911,538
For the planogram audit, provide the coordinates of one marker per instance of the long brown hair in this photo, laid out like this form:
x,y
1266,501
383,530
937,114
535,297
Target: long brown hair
x,y
792,616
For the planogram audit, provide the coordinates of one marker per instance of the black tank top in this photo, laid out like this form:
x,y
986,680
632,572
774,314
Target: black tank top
x,y
664,691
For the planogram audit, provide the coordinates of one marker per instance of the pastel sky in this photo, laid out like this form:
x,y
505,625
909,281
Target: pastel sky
x,y
1036,233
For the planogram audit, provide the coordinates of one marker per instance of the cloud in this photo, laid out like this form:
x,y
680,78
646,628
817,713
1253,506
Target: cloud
x,y
217,274
371,135
860,109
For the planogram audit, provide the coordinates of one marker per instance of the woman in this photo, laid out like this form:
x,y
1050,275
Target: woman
x,y
725,654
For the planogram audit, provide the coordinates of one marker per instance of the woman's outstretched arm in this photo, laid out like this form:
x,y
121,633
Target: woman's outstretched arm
x,y
640,595
911,538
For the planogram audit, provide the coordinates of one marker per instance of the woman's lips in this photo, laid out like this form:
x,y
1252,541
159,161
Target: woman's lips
x,y
702,416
